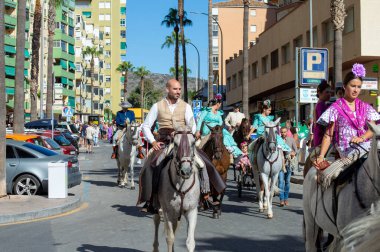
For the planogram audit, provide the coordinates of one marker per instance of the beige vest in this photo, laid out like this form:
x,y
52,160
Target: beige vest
x,y
166,119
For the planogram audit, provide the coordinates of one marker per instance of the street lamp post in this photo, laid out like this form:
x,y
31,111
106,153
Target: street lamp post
x,y
221,46
199,70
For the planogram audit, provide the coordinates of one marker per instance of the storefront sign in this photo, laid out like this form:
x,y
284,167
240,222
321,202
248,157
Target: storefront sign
x,y
370,84
308,95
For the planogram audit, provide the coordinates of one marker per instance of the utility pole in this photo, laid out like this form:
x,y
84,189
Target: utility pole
x,y
210,73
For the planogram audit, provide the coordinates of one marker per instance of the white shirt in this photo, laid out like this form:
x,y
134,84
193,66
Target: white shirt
x,y
234,118
153,114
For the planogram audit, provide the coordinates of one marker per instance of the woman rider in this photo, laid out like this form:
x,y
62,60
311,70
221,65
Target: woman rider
x,y
212,116
346,119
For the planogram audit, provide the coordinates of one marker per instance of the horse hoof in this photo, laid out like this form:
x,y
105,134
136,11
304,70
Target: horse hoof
x,y
270,216
261,210
132,188
265,207
215,216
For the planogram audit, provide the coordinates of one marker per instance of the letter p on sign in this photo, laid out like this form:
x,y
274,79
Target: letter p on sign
x,y
313,59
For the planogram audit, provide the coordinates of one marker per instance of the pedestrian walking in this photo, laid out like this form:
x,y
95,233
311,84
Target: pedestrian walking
x,y
96,135
90,132
285,174
110,132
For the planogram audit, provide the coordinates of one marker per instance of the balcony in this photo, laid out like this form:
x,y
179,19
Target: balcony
x,y
10,20
11,4
68,92
59,54
59,72
59,35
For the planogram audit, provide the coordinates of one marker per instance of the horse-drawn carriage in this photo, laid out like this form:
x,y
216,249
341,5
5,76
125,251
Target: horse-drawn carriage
x,y
244,178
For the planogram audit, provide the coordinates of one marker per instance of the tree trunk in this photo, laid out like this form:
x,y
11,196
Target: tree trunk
x,y
245,60
180,3
125,85
92,84
19,111
3,189
210,70
338,14
35,60
49,88
176,53
142,99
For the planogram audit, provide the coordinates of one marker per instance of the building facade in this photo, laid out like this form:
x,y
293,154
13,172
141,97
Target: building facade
x,y
105,21
272,58
10,19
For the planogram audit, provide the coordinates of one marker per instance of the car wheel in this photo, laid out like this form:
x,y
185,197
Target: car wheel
x,y
26,185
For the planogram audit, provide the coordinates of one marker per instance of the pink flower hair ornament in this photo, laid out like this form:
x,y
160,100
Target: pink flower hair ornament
x,y
218,97
359,70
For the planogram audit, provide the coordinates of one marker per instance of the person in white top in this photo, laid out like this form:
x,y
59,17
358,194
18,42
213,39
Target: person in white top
x,y
233,119
90,132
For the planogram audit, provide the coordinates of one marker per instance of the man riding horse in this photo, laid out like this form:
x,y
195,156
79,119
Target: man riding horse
x,y
167,113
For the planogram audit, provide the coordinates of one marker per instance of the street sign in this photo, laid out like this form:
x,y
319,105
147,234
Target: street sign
x,y
67,111
197,105
369,83
308,95
314,66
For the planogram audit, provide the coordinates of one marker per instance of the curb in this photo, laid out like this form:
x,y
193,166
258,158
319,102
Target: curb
x,y
37,214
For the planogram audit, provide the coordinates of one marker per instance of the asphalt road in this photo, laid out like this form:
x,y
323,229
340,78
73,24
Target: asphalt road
x,y
112,222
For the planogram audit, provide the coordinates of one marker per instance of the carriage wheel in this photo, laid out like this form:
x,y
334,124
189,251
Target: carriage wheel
x,y
239,184
233,166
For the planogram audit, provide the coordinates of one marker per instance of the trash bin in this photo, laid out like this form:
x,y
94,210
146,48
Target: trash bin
x,y
57,180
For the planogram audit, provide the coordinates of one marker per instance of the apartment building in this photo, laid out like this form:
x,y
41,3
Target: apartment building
x,y
10,19
229,15
104,21
272,58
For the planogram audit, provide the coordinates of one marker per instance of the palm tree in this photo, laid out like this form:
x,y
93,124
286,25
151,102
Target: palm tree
x,y
35,59
245,59
93,52
169,42
181,25
124,68
51,27
172,71
3,190
19,112
172,20
210,70
142,72
338,13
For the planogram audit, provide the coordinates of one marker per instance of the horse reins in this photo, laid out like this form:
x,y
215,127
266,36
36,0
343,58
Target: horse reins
x,y
268,158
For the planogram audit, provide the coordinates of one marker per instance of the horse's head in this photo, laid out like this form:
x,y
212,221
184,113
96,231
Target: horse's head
x,y
184,151
135,132
216,139
244,127
270,135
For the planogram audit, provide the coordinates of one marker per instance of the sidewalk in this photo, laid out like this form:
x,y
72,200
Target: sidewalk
x,y
18,208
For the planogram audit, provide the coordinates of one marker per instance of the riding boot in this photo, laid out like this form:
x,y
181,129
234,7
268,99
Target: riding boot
x,y
114,153
140,154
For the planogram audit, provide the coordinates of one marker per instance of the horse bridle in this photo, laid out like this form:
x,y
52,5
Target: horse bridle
x,y
132,134
267,147
274,136
214,147
178,160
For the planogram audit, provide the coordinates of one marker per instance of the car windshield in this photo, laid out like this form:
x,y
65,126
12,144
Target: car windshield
x,y
40,149
52,143
61,140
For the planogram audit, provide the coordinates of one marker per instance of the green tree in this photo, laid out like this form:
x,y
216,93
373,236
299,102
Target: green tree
x,y
53,4
3,185
245,59
142,72
180,71
19,109
35,59
170,41
338,14
124,68
151,97
93,52
172,20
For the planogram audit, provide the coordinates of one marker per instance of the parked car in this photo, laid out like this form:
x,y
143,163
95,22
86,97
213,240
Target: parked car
x,y
41,124
52,145
27,168
66,146
30,138
70,127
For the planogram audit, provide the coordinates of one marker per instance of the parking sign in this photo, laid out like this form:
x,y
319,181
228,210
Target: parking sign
x,y
197,105
314,66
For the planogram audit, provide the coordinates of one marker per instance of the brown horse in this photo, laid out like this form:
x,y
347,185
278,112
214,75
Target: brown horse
x,y
241,134
220,157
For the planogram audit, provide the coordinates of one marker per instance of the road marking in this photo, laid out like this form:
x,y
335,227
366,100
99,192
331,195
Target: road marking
x,y
82,207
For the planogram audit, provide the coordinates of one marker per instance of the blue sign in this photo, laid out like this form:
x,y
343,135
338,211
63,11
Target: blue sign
x,y
197,105
314,66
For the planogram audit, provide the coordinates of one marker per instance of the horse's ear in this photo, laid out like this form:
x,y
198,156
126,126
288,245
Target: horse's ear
x,y
277,122
374,128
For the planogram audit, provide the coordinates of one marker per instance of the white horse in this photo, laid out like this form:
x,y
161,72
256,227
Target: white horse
x,y
127,150
354,198
269,161
179,190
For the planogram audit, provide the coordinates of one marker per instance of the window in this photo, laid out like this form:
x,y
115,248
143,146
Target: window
x,y
88,88
123,34
122,22
86,14
274,59
101,91
107,5
123,45
252,42
215,61
285,53
88,73
71,31
315,37
10,152
24,154
78,67
297,42
96,91
107,17
101,5
255,71
215,42
101,106
78,51
108,41
122,10
108,66
57,43
107,29
64,46
101,76
264,65
78,19
101,65
253,13
240,79
253,28
328,31
215,29
96,105
349,21
107,53
78,83
108,78
234,81
101,17
63,28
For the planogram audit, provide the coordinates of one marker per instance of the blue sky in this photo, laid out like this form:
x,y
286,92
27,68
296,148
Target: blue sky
x,y
145,35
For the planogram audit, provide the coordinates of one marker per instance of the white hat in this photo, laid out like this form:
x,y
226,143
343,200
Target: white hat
x,y
125,104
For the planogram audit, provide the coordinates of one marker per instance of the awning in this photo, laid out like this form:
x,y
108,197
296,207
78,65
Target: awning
x,y
63,64
63,80
10,49
10,91
26,53
11,71
70,82
10,4
72,65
